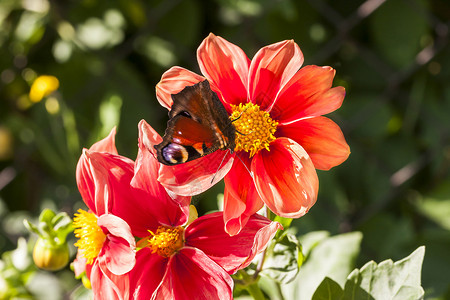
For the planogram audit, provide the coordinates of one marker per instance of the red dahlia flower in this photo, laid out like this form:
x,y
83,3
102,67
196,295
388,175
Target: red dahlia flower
x,y
106,247
179,261
281,134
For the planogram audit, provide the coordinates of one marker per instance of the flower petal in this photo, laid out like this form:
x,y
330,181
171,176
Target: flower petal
x,y
226,66
107,145
172,82
230,252
79,264
271,68
195,177
102,177
285,178
147,275
106,285
193,275
321,138
308,94
241,199
148,136
149,204
118,252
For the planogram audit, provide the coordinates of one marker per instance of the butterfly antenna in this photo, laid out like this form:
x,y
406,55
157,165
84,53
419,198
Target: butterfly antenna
x,y
234,120
218,168
240,115
245,166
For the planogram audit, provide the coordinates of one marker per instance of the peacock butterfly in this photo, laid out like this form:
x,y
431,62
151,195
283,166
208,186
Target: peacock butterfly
x,y
198,125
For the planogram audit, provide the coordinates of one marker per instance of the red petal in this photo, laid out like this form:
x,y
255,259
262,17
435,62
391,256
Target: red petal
x,y
230,252
195,177
102,177
172,82
107,145
321,138
150,205
106,285
271,68
193,275
226,66
308,94
118,252
173,210
147,274
148,137
241,199
286,178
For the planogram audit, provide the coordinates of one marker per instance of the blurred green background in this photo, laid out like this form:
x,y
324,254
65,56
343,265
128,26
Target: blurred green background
x,y
392,56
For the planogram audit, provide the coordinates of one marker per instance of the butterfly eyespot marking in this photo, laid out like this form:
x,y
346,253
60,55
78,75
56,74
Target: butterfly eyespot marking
x,y
175,154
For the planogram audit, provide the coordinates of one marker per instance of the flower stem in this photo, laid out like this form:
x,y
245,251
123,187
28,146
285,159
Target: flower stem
x,y
251,285
263,257
255,291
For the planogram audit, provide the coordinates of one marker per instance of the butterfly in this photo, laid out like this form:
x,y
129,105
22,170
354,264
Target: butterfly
x,y
198,125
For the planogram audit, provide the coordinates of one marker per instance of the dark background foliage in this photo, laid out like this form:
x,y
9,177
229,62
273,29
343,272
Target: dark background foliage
x,y
393,57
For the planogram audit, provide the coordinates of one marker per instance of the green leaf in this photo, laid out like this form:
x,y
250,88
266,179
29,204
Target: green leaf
x,y
31,227
388,280
333,257
327,290
397,29
436,205
46,216
310,240
285,222
283,263
62,226
61,220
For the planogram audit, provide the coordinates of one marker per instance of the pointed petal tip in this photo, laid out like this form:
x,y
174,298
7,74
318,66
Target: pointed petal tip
x,y
148,137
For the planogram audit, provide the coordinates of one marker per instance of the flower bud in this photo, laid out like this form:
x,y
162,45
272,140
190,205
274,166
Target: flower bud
x,y
50,256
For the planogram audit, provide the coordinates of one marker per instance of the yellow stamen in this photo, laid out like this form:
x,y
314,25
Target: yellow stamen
x,y
90,236
255,128
166,241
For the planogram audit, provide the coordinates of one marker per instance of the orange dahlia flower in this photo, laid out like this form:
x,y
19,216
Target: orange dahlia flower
x,y
281,137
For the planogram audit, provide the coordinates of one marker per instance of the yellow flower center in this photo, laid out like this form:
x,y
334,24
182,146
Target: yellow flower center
x,y
166,241
90,236
255,128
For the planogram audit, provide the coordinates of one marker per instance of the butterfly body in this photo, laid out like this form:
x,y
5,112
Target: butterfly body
x,y
198,125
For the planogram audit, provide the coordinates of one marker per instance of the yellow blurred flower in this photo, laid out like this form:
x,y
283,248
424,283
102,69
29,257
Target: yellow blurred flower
x,y
6,144
43,86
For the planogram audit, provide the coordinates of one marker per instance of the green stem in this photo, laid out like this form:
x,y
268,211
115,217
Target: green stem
x,y
280,292
259,267
251,285
255,291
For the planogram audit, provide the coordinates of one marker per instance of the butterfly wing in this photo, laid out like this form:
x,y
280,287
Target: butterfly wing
x,y
198,125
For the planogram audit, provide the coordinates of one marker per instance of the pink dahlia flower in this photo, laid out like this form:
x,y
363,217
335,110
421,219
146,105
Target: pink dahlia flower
x,y
180,261
106,246
281,136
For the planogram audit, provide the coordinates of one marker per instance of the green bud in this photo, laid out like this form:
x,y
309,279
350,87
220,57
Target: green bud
x,y
50,256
